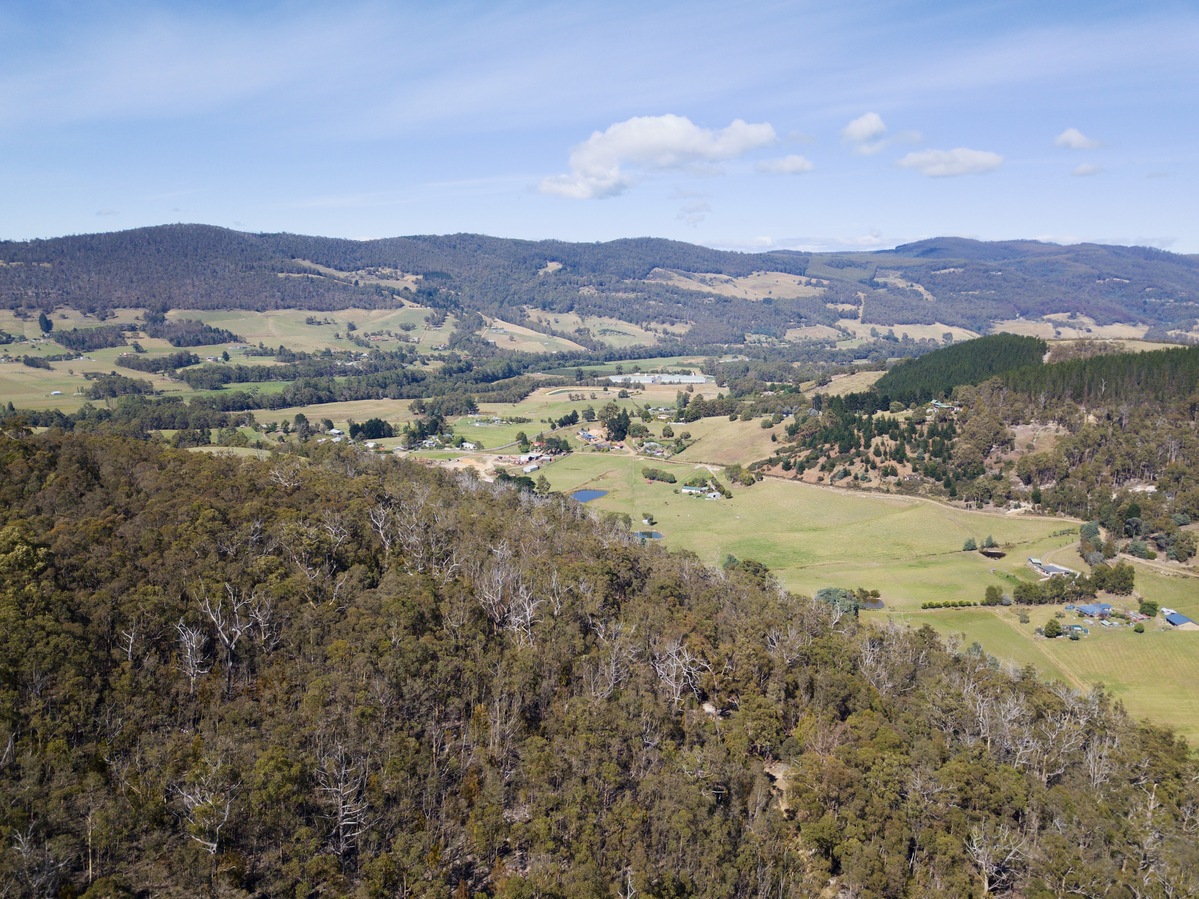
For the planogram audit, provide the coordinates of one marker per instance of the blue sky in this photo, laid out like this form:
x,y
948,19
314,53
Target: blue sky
x,y
776,124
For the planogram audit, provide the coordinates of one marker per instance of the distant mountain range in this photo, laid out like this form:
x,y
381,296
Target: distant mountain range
x,y
717,294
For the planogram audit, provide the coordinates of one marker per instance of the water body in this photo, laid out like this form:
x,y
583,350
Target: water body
x,y
586,496
648,535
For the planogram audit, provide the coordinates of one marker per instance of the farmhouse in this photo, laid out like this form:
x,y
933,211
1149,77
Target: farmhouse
x,y
1095,610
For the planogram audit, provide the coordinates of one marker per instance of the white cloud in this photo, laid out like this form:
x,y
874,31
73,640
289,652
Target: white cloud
x,y
947,163
865,127
866,134
1087,168
653,143
1073,139
787,165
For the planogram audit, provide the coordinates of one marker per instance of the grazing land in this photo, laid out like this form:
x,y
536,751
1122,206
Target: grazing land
x,y
1152,673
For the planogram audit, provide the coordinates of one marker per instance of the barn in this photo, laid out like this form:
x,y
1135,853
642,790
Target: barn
x,y
1178,620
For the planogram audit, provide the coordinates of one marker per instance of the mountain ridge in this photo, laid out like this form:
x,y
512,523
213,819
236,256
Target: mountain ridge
x,y
945,280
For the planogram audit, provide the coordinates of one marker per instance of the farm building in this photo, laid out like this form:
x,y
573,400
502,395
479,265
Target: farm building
x,y
1095,610
1179,620
1047,570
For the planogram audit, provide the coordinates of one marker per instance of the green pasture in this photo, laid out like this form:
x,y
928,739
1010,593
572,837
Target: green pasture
x,y
1153,673
813,537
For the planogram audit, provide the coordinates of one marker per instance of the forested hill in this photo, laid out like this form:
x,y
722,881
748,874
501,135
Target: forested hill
x,y
343,675
947,281
936,374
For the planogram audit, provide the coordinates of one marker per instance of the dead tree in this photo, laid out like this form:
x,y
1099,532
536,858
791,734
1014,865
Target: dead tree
x,y
193,660
207,803
341,782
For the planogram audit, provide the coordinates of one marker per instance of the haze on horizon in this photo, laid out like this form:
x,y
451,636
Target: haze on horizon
x,y
780,125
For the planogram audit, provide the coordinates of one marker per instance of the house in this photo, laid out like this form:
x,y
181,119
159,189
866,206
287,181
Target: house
x,y
1095,610
692,491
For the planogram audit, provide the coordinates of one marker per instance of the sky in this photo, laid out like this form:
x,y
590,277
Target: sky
x,y
793,124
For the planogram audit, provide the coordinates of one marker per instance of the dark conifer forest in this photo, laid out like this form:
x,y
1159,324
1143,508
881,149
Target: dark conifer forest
x,y
336,674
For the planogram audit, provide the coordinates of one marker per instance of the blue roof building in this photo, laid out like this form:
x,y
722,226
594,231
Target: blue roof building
x,y
1095,610
1176,619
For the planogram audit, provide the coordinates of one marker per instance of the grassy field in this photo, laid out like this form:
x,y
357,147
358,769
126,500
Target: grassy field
x,y
609,331
935,331
724,442
1152,673
674,363
814,537
857,382
518,338
756,286
289,328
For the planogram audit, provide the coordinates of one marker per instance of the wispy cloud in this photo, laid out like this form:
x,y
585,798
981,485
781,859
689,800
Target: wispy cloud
x,y
694,213
786,165
949,163
1086,169
600,166
1073,139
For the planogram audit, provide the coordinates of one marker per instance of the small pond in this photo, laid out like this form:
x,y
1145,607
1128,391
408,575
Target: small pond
x,y
586,496
648,535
